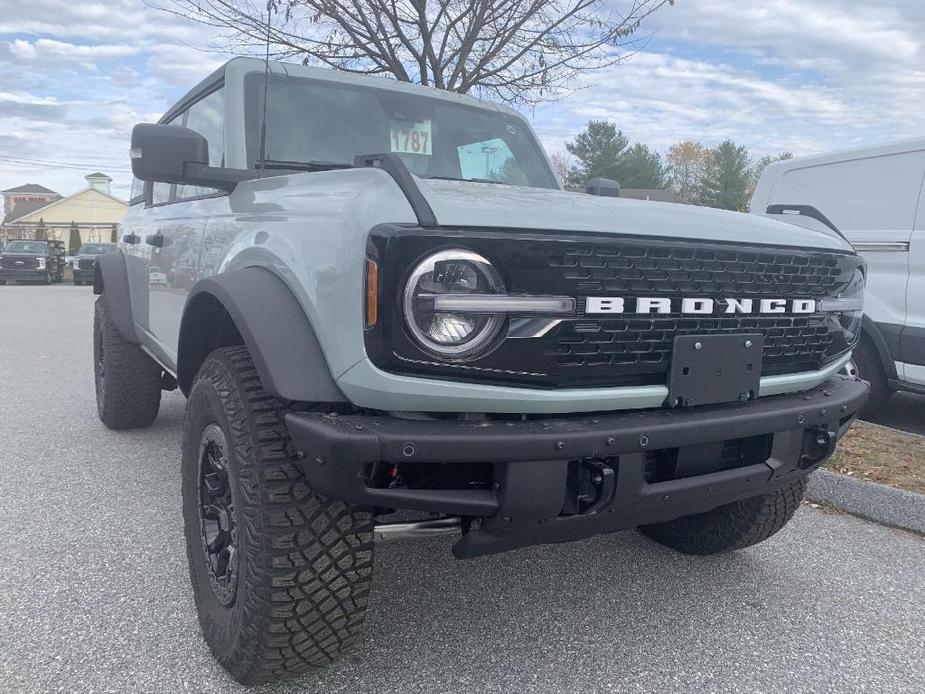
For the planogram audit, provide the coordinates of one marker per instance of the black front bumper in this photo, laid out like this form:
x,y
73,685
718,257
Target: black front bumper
x,y
83,275
534,462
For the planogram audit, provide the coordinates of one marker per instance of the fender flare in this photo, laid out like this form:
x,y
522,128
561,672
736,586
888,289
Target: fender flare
x,y
271,324
881,346
110,276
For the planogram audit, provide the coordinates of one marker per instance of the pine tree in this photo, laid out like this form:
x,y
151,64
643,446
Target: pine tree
x,y
727,178
640,167
598,151
73,242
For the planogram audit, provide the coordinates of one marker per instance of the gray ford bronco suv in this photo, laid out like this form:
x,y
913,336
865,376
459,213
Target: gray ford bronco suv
x,y
389,320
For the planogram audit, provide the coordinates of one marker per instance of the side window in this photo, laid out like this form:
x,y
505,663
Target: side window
x,y
138,192
160,193
206,118
491,160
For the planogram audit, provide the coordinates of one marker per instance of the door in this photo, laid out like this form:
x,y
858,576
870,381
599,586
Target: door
x,y
913,337
173,234
872,200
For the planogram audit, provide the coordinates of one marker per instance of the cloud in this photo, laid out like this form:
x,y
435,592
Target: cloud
x,y
49,48
774,75
781,74
25,105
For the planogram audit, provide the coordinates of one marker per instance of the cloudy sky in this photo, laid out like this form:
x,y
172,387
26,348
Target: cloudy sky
x,y
803,75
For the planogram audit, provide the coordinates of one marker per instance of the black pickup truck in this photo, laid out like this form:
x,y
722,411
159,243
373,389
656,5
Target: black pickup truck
x,y
35,261
85,260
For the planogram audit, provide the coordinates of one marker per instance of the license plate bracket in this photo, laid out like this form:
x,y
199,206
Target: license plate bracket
x,y
712,369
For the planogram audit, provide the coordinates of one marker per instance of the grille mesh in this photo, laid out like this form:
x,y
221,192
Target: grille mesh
x,y
701,272
791,344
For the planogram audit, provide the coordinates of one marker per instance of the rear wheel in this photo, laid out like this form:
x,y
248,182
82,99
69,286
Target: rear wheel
x,y
128,381
733,526
280,574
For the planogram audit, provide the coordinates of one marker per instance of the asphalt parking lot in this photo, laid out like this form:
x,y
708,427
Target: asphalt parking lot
x,y
94,595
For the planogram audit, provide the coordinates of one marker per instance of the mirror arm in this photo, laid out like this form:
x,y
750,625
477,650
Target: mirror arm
x,y
215,177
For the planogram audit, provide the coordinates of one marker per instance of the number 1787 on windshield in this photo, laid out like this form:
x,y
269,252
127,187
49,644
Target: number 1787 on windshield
x,y
411,138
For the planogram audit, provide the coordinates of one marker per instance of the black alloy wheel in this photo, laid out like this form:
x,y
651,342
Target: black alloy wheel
x,y
216,515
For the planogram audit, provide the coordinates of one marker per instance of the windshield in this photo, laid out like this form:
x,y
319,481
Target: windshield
x,y
326,123
96,248
24,247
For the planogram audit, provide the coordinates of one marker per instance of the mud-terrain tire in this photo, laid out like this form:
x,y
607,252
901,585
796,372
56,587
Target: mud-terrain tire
x,y
128,381
290,594
733,526
870,369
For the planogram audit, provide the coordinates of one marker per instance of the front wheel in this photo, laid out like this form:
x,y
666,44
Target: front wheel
x,y
732,526
280,574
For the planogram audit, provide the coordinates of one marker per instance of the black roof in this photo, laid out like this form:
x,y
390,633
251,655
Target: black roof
x,y
23,208
30,188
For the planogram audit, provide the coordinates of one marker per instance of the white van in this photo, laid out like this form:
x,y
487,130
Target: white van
x,y
875,197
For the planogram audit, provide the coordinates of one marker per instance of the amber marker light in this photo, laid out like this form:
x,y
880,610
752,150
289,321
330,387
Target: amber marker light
x,y
372,293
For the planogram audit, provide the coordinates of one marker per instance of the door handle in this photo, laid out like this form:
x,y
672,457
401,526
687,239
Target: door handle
x,y
131,238
155,240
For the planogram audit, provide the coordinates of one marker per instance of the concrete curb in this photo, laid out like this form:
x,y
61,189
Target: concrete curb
x,y
876,502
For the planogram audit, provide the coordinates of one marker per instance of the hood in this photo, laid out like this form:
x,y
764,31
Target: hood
x,y
467,203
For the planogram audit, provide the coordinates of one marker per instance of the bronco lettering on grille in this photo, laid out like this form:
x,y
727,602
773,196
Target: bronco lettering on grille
x,y
696,306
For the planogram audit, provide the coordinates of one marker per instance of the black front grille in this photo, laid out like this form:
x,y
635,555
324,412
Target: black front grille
x,y
604,350
624,268
790,344
21,262
85,264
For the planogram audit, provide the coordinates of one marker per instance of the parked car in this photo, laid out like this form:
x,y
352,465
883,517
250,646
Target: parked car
x,y
875,196
84,262
32,261
397,307
156,278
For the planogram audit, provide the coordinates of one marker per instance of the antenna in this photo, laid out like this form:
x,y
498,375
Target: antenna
x,y
261,163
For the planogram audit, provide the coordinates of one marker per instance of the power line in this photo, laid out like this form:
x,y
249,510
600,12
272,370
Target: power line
x,y
111,161
63,165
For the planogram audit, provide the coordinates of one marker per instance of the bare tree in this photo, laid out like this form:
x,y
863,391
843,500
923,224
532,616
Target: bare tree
x,y
514,51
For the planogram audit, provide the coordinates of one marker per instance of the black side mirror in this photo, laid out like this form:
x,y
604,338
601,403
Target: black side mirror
x,y
174,154
160,153
607,187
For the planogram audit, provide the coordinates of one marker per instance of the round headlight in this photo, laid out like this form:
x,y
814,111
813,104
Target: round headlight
x,y
450,334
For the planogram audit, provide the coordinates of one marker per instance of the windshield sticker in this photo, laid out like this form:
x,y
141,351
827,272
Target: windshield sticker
x,y
410,138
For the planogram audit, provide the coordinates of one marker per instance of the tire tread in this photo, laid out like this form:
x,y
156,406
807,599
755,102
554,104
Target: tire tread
x,y
733,526
309,558
132,391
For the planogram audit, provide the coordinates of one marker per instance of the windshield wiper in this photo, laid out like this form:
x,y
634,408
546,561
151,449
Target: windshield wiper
x,y
277,164
474,180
